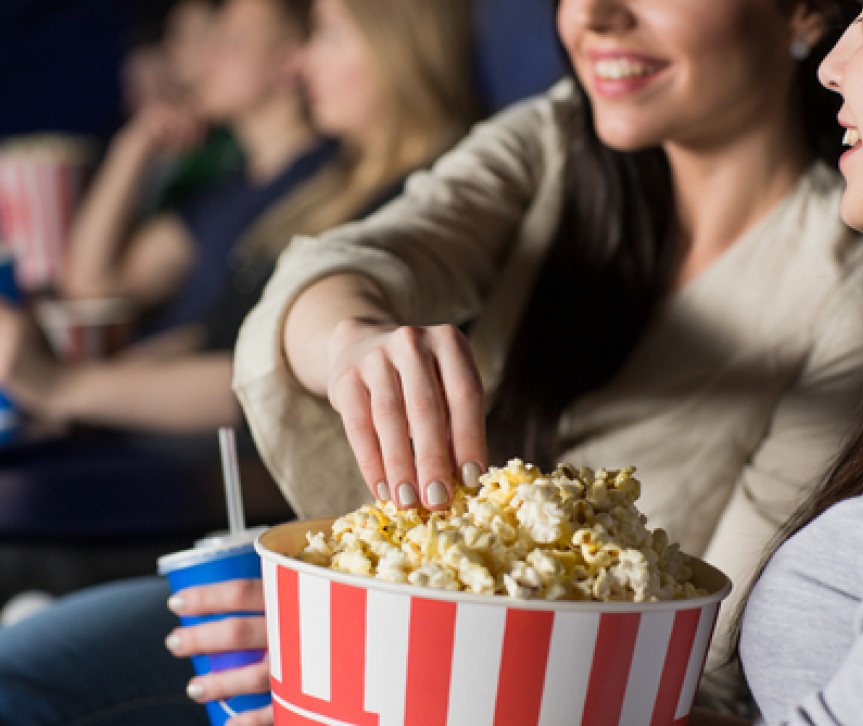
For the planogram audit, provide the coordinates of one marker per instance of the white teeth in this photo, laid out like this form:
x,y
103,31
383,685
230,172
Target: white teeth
x,y
851,138
616,69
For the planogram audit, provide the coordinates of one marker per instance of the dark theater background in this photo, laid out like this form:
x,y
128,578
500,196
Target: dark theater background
x,y
60,59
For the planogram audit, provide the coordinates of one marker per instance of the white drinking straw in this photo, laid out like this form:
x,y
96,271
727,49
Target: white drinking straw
x,y
231,473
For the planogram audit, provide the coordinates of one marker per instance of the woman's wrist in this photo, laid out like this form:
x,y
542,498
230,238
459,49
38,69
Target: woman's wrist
x,y
353,331
327,317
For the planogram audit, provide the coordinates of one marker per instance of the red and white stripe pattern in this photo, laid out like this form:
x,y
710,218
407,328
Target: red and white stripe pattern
x,y
347,656
38,194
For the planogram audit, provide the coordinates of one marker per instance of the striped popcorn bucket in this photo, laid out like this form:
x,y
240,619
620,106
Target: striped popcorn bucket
x,y
80,330
41,180
354,651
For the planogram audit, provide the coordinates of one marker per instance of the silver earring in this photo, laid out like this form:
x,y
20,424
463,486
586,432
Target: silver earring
x,y
800,49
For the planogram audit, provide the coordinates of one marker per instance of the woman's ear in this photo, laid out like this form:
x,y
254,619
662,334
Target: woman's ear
x,y
808,26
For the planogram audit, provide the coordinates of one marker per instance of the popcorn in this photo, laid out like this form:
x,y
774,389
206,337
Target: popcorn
x,y
573,534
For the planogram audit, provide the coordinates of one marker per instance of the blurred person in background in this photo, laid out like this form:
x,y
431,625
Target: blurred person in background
x,y
392,80
144,77
389,125
185,48
160,77
166,55
177,377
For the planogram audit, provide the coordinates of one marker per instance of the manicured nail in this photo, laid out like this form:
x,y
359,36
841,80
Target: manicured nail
x,y
407,495
173,642
437,495
383,490
194,691
470,474
176,603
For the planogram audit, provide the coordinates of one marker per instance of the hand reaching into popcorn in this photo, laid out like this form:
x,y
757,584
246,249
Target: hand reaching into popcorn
x,y
410,398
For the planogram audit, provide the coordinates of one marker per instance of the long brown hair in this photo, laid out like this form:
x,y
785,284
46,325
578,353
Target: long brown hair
x,y
614,258
422,50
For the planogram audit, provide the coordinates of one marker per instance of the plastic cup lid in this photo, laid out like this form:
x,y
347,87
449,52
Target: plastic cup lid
x,y
209,548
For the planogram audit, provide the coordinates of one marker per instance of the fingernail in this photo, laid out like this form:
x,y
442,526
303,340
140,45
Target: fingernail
x,y
437,495
470,474
194,691
176,603
407,495
173,642
383,490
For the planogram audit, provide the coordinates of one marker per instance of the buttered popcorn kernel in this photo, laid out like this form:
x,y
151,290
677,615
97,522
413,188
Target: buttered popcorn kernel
x,y
573,534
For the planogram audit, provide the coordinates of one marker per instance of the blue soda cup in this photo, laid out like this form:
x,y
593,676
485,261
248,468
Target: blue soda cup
x,y
10,418
217,559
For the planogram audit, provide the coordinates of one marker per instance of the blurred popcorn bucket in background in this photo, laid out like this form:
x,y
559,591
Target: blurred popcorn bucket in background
x,y
41,180
359,651
80,330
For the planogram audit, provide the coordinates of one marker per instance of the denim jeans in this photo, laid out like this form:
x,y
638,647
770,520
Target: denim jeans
x,y
97,658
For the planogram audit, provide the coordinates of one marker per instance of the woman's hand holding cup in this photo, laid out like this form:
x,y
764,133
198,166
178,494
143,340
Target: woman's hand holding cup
x,y
224,636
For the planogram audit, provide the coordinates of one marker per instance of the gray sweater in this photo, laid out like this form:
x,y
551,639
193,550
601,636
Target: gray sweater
x,y
802,638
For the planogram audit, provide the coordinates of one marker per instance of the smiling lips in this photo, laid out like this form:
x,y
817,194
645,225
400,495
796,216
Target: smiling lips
x,y
619,73
616,69
851,137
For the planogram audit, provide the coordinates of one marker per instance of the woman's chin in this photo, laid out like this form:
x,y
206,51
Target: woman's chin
x,y
852,206
624,137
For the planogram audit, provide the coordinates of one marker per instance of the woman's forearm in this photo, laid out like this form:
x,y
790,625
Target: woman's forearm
x,y
103,221
190,393
319,312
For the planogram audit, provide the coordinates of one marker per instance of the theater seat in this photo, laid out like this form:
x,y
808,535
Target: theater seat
x,y
518,53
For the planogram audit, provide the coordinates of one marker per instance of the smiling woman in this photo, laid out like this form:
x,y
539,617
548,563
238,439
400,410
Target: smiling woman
x,y
842,71
650,264
699,77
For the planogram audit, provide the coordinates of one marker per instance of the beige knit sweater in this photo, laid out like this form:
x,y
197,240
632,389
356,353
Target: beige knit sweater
x,y
732,406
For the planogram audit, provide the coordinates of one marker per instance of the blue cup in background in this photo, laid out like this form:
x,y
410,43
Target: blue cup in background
x,y
217,559
10,418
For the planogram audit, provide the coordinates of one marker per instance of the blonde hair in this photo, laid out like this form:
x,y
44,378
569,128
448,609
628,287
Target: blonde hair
x,y
422,50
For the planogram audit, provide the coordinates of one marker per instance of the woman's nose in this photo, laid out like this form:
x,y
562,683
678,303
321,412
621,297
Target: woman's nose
x,y
602,15
830,70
